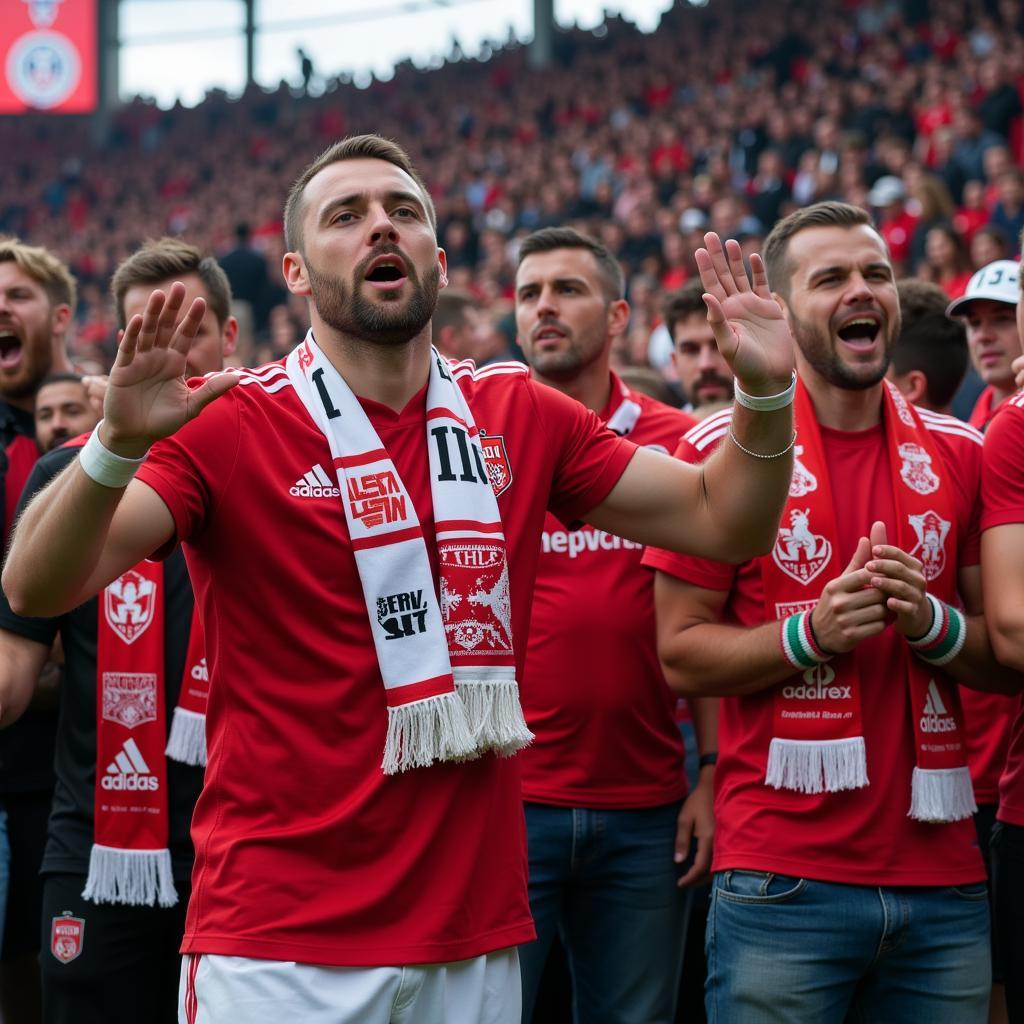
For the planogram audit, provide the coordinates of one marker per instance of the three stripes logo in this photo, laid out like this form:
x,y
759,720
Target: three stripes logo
x,y
315,484
936,717
129,771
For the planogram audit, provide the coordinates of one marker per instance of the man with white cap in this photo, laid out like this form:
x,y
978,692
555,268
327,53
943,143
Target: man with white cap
x,y
989,311
896,224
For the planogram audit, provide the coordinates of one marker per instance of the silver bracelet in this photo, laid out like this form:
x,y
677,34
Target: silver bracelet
x,y
758,455
765,403
99,463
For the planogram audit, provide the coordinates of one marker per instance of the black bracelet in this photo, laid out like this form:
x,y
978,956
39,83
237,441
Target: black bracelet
x,y
708,760
821,646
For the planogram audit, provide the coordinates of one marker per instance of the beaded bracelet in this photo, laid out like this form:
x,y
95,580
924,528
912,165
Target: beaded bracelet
x,y
800,646
946,636
758,455
102,465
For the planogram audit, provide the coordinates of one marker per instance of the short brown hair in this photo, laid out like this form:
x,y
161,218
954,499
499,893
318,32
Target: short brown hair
x,y
356,147
829,214
550,239
167,258
43,267
681,305
451,307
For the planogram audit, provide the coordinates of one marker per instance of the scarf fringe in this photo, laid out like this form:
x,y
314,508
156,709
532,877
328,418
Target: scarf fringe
x,y
817,766
133,877
495,715
425,731
187,740
942,794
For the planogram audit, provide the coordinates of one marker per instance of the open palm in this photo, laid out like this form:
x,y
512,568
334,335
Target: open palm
x,y
751,332
147,396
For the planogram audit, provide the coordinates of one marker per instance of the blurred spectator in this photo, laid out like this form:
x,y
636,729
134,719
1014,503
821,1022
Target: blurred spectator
x,y
247,273
947,262
895,223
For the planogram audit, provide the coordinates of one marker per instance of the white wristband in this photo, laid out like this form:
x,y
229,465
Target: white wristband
x,y
767,403
102,465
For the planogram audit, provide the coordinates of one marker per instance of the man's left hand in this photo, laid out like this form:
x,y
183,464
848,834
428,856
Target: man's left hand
x,y
901,578
696,824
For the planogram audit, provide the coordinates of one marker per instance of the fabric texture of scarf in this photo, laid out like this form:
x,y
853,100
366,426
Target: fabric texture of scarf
x,y
818,736
187,739
448,666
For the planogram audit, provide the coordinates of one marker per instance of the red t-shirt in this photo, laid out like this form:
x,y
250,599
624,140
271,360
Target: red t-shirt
x,y
984,409
988,718
1003,499
862,836
593,691
305,850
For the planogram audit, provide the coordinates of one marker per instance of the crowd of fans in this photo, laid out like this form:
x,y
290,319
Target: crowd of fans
x,y
726,118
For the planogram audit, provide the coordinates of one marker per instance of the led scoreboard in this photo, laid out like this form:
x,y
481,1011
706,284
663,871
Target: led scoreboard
x,y
48,54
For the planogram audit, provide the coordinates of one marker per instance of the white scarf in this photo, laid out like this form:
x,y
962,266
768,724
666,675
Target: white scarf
x,y
448,668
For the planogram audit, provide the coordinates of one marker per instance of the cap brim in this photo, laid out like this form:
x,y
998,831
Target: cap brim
x,y
959,306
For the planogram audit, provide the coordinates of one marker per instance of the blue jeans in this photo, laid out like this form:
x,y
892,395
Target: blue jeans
x,y
5,870
605,881
784,950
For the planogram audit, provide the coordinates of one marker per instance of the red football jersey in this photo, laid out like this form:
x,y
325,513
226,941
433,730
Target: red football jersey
x,y
988,718
593,692
305,850
863,836
1003,503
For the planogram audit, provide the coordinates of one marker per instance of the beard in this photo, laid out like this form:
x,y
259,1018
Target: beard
x,y
821,355
390,321
36,364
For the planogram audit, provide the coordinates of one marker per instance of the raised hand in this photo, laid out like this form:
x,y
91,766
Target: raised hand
x,y
899,577
749,327
147,397
1018,370
849,609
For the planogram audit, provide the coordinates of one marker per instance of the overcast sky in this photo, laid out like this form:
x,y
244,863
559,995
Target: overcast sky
x,y
181,48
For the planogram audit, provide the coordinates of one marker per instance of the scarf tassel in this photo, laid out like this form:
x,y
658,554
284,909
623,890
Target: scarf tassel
x,y
187,740
134,877
817,766
942,794
495,715
424,731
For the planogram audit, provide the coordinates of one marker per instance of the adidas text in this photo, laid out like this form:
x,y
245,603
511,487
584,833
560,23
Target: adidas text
x,y
130,782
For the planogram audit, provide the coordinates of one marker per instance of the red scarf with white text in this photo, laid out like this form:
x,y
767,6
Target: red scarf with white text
x,y
818,738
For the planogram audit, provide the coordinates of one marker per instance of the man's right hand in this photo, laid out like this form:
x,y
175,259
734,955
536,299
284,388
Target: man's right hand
x,y
147,395
850,609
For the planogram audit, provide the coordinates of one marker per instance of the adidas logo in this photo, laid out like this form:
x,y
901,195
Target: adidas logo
x,y
129,770
936,717
315,484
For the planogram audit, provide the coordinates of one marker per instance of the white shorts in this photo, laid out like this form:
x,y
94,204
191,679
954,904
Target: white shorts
x,y
235,989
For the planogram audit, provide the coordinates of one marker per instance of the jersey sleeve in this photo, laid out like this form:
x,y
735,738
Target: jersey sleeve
x,y
590,457
41,630
189,469
1002,479
695,446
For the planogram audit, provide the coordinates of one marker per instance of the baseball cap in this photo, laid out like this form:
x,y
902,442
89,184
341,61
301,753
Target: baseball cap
x,y
997,282
886,190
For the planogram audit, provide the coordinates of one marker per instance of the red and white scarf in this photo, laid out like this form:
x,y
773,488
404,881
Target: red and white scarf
x,y
187,740
818,740
448,666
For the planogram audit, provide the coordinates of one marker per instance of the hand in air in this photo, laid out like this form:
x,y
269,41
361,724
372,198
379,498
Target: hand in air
x,y
147,397
749,327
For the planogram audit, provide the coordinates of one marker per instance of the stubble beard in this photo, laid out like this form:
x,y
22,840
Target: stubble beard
x,y
36,364
822,357
390,322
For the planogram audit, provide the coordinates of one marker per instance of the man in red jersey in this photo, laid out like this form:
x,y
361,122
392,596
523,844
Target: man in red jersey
x,y
989,312
703,373
603,780
37,304
364,572
843,792
1002,544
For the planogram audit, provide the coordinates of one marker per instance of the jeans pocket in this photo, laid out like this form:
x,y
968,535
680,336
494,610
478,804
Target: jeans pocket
x,y
976,892
753,887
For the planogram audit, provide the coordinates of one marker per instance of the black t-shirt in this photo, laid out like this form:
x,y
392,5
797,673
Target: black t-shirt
x,y
71,819
26,748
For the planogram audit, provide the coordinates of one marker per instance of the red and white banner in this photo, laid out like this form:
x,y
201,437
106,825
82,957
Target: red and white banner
x,y
48,50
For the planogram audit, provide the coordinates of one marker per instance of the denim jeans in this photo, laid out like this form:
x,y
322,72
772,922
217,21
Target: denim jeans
x,y
784,950
605,880
5,870
1008,885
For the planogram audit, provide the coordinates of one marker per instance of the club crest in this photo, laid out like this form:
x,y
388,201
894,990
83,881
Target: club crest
x,y
798,552
499,470
129,698
931,530
129,604
67,936
916,469
803,480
